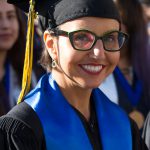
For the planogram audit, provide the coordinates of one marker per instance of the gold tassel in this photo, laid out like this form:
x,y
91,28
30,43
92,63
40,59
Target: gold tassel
x,y
27,70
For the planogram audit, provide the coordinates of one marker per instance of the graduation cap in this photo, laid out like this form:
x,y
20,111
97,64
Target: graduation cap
x,y
53,13
56,12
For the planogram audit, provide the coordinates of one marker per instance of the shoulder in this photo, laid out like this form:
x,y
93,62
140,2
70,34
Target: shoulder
x,y
146,131
23,114
21,123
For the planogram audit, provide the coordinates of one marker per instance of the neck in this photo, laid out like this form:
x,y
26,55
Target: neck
x,y
3,55
77,99
77,96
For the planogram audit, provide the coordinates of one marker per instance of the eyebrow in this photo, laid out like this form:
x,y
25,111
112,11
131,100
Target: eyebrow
x,y
9,12
109,31
106,32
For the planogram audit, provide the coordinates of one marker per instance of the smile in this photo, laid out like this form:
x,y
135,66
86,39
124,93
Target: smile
x,y
92,68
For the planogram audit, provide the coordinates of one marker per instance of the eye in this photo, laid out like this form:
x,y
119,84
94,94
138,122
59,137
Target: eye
x,y
12,16
113,37
83,37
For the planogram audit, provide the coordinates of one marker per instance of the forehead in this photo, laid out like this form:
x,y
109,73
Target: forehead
x,y
99,25
5,7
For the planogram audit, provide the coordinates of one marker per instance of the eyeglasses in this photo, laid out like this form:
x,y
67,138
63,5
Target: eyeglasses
x,y
84,40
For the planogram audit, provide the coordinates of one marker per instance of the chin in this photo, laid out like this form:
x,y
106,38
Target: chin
x,y
6,47
91,85
88,83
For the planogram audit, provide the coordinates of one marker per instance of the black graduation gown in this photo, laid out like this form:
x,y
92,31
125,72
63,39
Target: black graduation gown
x,y
21,129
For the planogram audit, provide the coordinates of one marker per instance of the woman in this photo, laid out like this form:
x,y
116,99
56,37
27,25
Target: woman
x,y
12,48
66,110
131,77
12,39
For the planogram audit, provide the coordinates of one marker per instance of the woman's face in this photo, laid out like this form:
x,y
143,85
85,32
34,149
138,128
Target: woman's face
x,y
87,68
9,26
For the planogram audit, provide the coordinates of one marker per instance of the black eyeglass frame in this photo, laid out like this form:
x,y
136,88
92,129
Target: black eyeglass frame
x,y
58,32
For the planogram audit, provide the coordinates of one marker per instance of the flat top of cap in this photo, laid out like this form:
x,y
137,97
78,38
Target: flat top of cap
x,y
56,12
41,6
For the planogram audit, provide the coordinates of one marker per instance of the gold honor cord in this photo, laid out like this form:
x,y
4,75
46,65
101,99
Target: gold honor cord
x,y
27,70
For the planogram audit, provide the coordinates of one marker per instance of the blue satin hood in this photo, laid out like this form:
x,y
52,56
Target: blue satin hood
x,y
63,128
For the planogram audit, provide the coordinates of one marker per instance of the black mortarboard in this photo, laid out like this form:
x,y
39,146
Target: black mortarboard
x,y
56,12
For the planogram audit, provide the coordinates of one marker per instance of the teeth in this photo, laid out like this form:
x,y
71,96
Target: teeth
x,y
92,68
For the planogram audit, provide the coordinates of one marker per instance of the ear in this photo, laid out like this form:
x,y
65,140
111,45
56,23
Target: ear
x,y
49,41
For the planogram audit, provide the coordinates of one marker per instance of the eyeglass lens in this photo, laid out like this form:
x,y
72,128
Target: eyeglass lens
x,y
84,40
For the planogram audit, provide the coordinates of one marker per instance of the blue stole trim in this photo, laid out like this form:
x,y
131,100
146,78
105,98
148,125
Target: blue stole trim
x,y
133,94
63,128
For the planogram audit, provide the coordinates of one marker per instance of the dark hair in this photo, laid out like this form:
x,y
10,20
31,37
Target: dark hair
x,y
17,52
45,59
133,18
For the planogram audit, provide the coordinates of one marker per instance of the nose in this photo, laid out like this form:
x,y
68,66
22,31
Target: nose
x,y
4,23
98,49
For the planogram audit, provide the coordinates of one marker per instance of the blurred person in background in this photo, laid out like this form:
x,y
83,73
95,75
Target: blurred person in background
x,y
146,131
129,85
146,8
12,51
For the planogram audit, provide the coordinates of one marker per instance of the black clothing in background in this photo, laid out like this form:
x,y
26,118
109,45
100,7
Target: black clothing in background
x,y
146,131
4,99
25,131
